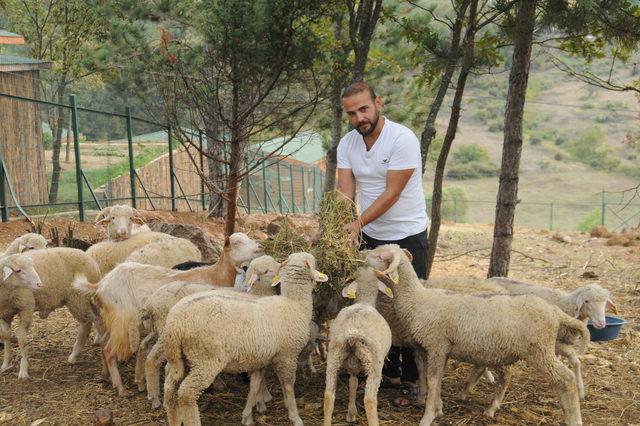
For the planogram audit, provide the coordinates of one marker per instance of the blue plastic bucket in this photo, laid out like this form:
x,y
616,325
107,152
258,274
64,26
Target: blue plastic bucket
x,y
609,332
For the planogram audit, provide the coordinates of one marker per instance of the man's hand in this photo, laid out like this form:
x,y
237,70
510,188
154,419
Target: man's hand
x,y
354,229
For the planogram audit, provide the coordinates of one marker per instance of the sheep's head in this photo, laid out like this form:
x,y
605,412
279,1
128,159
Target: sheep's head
x,y
386,260
31,241
22,269
241,248
261,270
300,261
365,279
119,221
592,303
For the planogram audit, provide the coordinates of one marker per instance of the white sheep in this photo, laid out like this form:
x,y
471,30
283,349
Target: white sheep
x,y
166,252
19,277
57,267
471,328
359,340
120,221
26,242
259,279
121,294
202,331
588,302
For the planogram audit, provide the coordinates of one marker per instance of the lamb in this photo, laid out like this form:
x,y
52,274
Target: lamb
x,y
359,340
121,294
16,298
57,267
468,328
260,274
120,221
202,332
588,302
26,242
166,252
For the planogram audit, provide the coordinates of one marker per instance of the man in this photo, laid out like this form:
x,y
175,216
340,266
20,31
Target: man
x,y
383,159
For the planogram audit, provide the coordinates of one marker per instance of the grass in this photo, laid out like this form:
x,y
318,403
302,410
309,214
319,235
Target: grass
x,y
68,192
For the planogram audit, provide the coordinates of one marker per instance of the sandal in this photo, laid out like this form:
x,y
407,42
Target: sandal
x,y
408,395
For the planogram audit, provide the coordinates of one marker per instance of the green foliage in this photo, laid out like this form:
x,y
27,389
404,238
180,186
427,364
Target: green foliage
x,y
454,206
470,162
590,221
48,140
591,149
471,153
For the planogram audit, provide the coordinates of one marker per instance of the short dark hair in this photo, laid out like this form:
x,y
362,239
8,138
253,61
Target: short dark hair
x,y
359,87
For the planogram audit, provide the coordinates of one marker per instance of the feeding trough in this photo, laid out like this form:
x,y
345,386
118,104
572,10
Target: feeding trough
x,y
609,332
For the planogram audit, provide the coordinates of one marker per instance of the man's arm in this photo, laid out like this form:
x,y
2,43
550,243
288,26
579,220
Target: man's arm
x,y
396,182
347,183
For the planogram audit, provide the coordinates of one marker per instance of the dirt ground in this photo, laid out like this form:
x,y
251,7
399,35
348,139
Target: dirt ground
x,y
62,394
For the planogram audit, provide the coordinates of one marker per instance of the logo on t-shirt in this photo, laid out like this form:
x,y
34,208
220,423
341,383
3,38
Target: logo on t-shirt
x,y
385,161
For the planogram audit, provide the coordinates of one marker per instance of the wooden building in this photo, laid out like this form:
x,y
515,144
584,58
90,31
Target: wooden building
x,y
21,135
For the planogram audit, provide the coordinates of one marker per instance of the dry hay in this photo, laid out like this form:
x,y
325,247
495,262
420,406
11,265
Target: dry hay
x,y
336,255
289,239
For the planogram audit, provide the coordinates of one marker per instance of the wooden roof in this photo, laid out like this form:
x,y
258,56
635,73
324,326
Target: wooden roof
x,y
18,63
10,38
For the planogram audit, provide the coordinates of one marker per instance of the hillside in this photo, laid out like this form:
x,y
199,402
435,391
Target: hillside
x,y
573,147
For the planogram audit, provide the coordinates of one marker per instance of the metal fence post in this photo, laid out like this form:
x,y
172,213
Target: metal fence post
x,y
248,182
551,216
3,194
279,187
132,170
314,189
76,150
264,186
455,209
293,202
172,184
304,191
202,195
604,206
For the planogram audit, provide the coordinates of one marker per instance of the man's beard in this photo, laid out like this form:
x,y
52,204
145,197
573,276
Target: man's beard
x,y
372,126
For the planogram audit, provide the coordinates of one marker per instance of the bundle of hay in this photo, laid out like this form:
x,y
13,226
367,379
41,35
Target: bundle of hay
x,y
288,240
335,254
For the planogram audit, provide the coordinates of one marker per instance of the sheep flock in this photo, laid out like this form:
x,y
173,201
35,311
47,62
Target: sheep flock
x,y
249,318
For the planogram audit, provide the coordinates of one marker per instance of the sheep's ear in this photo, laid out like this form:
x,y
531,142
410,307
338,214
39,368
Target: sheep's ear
x,y
579,304
394,277
275,280
252,280
384,289
317,275
6,272
384,278
612,306
102,216
137,220
408,254
350,290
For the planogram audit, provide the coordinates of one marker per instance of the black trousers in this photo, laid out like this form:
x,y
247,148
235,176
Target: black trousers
x,y
400,361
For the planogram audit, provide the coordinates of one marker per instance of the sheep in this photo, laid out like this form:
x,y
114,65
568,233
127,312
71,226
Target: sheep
x,y
202,332
121,294
121,221
26,242
166,252
259,279
359,340
19,278
469,328
57,267
588,302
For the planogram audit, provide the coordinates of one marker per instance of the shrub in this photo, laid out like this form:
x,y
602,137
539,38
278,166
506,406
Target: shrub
x,y
470,162
48,140
454,206
590,221
471,153
589,148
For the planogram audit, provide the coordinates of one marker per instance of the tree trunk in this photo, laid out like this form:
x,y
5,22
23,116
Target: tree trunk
x,y
362,23
215,160
336,133
512,145
452,128
57,140
429,131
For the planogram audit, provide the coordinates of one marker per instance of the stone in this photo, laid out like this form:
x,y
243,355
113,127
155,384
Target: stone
x,y
208,247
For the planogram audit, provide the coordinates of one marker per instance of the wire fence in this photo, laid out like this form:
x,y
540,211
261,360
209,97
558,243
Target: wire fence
x,y
138,162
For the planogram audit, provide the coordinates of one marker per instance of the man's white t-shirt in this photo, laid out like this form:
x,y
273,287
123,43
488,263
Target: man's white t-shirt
x,y
397,148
